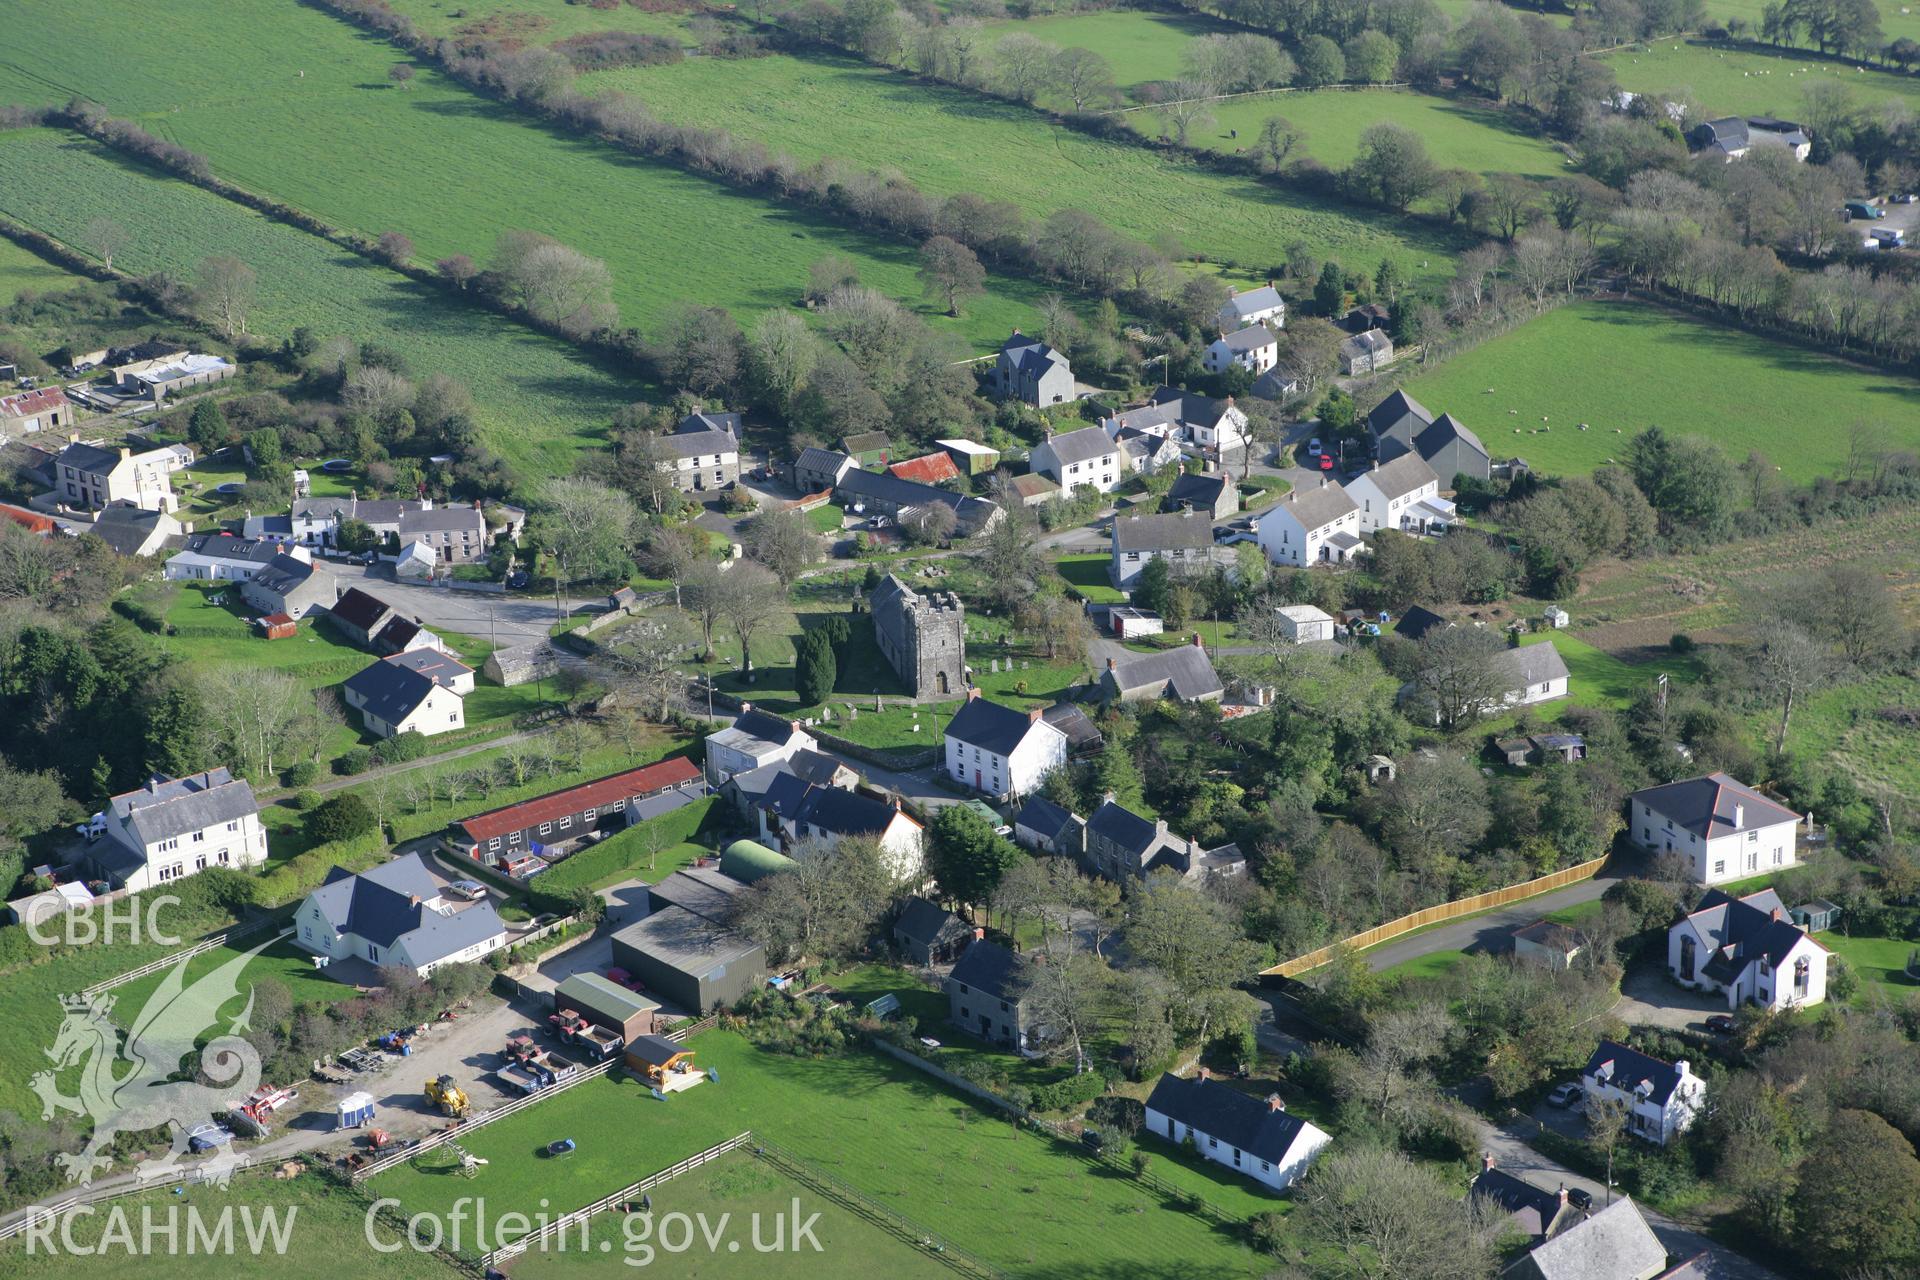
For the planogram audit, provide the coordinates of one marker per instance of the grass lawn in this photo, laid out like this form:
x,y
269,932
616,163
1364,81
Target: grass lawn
x,y
1880,962
538,21
656,848
24,272
326,1235
888,1130
1088,576
1760,81
1138,44
536,401
827,519
1597,678
1652,375
282,961
948,141
1458,135
1435,964
929,1008
736,1189
272,107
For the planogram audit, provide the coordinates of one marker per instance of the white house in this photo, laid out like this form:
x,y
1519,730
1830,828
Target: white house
x,y
315,522
173,827
1724,829
1663,1097
1254,306
1748,950
1254,349
1304,624
1389,493
1319,526
89,477
1201,427
1088,456
396,916
221,557
1260,1139
795,810
752,740
1532,673
1184,541
1000,751
394,697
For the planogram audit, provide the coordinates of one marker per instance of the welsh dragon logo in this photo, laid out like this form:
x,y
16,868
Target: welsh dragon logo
x,y
121,1100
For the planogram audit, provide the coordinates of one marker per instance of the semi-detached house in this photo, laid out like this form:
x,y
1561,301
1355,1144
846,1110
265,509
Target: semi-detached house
x,y
1397,495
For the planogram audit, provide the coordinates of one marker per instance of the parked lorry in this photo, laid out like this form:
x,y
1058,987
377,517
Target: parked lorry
x,y
596,1042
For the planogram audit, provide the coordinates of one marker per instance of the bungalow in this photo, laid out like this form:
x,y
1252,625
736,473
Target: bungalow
x,y
1748,950
1549,943
1087,457
1391,496
43,409
135,531
1254,306
397,916
1318,526
1030,371
503,835
819,469
999,751
288,585
1254,349
1045,827
1663,1097
1257,1137
984,996
1366,353
1186,544
1304,624
221,557
755,739
1615,1243
393,698
1123,846
1184,674
1725,830
1531,673
1214,496
929,934
174,827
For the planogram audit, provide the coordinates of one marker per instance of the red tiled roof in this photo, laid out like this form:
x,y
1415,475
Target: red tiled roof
x,y
929,468
27,402
598,794
31,521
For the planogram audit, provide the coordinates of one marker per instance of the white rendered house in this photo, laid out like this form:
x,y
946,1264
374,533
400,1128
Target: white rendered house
x,y
1748,950
1724,829
1388,493
1662,1097
173,827
1320,526
1087,457
1259,1139
999,751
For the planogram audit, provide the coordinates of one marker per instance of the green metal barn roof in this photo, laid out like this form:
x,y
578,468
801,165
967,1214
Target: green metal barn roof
x,y
591,993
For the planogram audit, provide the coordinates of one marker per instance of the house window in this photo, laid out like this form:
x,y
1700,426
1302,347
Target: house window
x,y
200,862
223,857
566,822
1686,959
963,988
198,836
545,828
1802,976
1213,1142
1265,1167
588,816
1752,836
373,954
1719,868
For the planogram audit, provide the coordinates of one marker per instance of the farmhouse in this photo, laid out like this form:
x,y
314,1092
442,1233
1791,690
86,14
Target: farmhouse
x,y
1304,624
1614,1244
287,585
1185,543
41,410
753,740
455,534
503,835
394,697
683,950
1397,495
1123,846
221,557
1087,457
703,451
1030,371
1748,950
929,934
133,531
999,751
1254,306
1663,1097
984,996
1257,1137
1319,526
89,477
1214,496
1044,826
1724,829
173,827
1183,673
396,916
816,470
1366,353
1254,349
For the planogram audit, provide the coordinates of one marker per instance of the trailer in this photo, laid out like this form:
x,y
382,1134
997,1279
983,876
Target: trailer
x,y
531,1077
362,1060
354,1110
598,1043
208,1137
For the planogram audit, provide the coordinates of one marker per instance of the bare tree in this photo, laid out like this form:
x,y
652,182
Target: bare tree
x,y
671,552
1084,77
951,272
1376,1215
1187,109
1607,1118
1788,663
1454,676
107,238
784,542
401,74
223,292
645,656
750,600
1068,995
707,586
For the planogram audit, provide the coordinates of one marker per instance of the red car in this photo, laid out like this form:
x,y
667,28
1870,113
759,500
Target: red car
x,y
1326,462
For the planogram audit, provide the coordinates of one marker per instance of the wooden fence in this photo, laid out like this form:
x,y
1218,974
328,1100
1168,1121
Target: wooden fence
x,y
1433,915
508,1252
199,948
188,1173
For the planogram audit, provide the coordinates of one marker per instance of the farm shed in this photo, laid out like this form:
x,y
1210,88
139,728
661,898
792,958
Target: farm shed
x,y
276,626
689,961
499,835
605,1003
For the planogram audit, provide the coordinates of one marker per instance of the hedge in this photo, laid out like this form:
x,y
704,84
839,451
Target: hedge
x,y
624,851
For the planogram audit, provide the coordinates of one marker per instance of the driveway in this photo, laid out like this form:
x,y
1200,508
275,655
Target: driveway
x,y
626,903
1491,932
1648,997
502,619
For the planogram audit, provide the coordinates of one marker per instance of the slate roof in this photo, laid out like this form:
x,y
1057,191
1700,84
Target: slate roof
x,y
1531,1209
993,727
704,433
1404,475
1162,533
1027,353
1115,822
169,807
284,574
847,813
971,514
926,924
433,664
1069,719
397,634
1417,621
1368,343
754,732
825,461
1315,508
1221,1111
1616,1241
1083,445
124,527
614,789
1203,492
1044,817
1739,931
1265,298
1632,1068
1705,805
391,691
224,546
1530,664
865,442
930,468
368,510
1184,672
990,967
1252,338
1444,431
88,458
388,907
450,519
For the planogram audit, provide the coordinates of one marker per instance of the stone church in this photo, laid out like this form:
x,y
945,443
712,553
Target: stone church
x,y
924,637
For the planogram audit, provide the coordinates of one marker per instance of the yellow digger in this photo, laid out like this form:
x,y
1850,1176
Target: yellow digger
x,y
448,1096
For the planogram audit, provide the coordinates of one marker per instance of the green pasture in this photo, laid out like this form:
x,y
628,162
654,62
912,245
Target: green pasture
x,y
1137,43
1457,134
1758,81
891,1132
541,21
1621,368
1850,726
1597,678
24,272
1880,962
949,141
537,401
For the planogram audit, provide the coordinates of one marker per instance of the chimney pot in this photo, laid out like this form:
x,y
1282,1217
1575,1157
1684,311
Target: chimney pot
x,y
978,933
1276,1103
1197,643
1563,1194
1111,664
1486,1161
1739,816
1034,714
1206,1074
1778,914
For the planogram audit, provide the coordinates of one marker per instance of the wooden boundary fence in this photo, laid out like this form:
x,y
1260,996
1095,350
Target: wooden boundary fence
x,y
1433,915
188,1173
199,948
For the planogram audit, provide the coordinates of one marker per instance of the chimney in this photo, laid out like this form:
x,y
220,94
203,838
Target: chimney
x,y
973,691
1293,495
1206,1074
1376,464
125,453
73,437
1680,1067
1034,714
1739,816
1108,797
979,934
1779,914
1111,664
1276,1103
1563,1195
1197,643
1486,1162
745,707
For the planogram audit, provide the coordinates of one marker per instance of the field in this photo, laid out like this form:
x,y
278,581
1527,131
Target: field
x,y
537,401
24,272
1756,81
1137,44
948,141
539,21
1880,962
296,110
1597,678
325,1233
1458,135
885,1129
1742,391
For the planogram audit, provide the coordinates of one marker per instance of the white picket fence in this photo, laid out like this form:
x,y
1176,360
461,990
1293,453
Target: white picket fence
x,y
199,948
507,1252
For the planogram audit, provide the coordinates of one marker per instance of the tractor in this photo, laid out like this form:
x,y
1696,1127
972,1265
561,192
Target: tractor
x,y
452,1100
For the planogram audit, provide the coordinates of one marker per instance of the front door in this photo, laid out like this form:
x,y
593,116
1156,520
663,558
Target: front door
x,y
976,781
986,1027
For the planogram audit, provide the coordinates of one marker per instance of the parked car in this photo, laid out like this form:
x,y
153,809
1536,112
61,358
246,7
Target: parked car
x,y
471,890
1565,1095
1580,1198
1326,462
1313,445
1721,1024
1861,209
